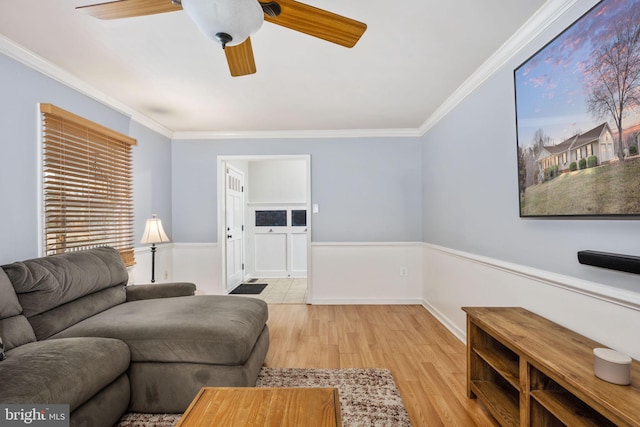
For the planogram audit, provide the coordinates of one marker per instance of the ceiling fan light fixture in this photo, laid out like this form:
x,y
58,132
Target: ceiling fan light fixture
x,y
236,18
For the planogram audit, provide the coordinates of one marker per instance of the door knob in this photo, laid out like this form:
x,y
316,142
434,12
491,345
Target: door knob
x,y
229,236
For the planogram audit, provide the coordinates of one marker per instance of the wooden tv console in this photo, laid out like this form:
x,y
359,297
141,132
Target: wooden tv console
x,y
529,371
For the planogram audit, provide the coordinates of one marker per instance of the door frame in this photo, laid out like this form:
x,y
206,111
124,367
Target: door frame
x,y
221,206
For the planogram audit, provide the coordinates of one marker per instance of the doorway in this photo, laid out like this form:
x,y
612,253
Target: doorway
x,y
274,207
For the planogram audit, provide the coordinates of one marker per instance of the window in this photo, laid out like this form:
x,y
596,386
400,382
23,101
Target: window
x,y
299,218
87,185
271,218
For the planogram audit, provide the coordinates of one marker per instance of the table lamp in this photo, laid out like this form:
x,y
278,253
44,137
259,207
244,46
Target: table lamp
x,y
153,233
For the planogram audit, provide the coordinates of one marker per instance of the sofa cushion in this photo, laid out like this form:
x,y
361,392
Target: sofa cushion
x,y
15,330
43,284
9,304
67,371
164,290
209,329
59,318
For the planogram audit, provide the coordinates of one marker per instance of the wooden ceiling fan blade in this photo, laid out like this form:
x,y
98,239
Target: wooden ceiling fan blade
x,y
240,59
129,8
318,23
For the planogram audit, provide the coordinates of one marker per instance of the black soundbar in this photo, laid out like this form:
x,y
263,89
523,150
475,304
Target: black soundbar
x,y
627,263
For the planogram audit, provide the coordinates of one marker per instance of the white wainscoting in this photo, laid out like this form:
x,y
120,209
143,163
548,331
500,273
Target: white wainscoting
x,y
341,273
366,273
199,263
140,273
454,279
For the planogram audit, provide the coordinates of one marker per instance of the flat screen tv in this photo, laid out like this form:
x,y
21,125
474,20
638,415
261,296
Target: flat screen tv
x,y
578,118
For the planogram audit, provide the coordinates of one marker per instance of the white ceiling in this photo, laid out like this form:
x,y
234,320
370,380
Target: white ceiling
x,y
412,58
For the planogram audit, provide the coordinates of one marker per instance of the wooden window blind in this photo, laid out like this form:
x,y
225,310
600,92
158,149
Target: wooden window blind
x,y
87,185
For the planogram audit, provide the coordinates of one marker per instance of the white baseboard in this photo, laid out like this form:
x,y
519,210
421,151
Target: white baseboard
x,y
451,326
365,301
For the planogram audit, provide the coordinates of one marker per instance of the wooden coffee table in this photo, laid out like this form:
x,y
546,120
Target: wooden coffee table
x,y
250,406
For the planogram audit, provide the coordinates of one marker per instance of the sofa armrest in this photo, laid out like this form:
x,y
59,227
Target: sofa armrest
x,y
160,290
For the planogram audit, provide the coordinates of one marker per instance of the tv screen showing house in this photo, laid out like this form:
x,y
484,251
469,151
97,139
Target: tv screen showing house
x,y
577,132
276,218
299,218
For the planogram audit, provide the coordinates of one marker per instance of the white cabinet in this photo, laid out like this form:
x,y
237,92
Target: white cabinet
x,y
270,253
277,238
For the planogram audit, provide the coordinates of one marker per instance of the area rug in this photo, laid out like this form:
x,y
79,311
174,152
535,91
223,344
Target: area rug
x,y
368,397
249,289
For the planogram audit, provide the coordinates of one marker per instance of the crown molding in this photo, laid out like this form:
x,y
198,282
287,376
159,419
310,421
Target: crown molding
x,y
13,50
539,22
306,134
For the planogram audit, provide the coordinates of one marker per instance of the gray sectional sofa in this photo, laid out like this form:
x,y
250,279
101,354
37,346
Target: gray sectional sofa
x,y
74,333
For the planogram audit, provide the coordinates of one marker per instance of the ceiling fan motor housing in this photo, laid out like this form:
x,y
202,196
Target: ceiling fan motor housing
x,y
229,22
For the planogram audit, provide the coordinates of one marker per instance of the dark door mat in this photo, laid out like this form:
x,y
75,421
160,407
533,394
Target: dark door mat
x,y
249,289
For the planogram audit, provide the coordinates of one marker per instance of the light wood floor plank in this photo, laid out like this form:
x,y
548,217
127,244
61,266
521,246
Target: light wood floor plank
x,y
428,363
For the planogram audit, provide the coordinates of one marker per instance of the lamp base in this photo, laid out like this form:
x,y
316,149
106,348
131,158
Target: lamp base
x,y
153,262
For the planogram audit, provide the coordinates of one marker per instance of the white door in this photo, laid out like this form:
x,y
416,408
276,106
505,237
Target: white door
x,y
234,227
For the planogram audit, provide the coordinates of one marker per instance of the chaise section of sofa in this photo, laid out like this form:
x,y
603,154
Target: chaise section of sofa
x,y
178,342
206,339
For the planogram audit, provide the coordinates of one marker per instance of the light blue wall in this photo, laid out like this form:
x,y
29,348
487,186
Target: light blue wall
x,y
21,89
368,190
470,193
151,179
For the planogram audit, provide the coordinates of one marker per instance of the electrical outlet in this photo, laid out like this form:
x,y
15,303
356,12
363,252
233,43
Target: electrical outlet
x,y
404,272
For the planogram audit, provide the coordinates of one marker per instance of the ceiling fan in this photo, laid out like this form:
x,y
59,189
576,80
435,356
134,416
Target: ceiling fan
x,y
231,22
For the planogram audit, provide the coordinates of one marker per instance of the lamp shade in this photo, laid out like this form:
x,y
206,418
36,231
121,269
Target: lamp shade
x,y
153,231
237,18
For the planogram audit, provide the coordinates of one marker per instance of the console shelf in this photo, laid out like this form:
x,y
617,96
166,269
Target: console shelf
x,y
529,371
505,366
502,404
569,410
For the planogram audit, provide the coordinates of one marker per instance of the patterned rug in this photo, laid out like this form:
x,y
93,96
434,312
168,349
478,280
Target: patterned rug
x,y
368,397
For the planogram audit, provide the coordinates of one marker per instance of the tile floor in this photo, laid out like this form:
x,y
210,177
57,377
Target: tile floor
x,y
283,291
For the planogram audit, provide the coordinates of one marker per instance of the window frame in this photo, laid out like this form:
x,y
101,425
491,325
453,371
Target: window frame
x,y
103,201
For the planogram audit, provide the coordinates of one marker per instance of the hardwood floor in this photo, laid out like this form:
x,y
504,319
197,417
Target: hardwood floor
x,y
428,363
